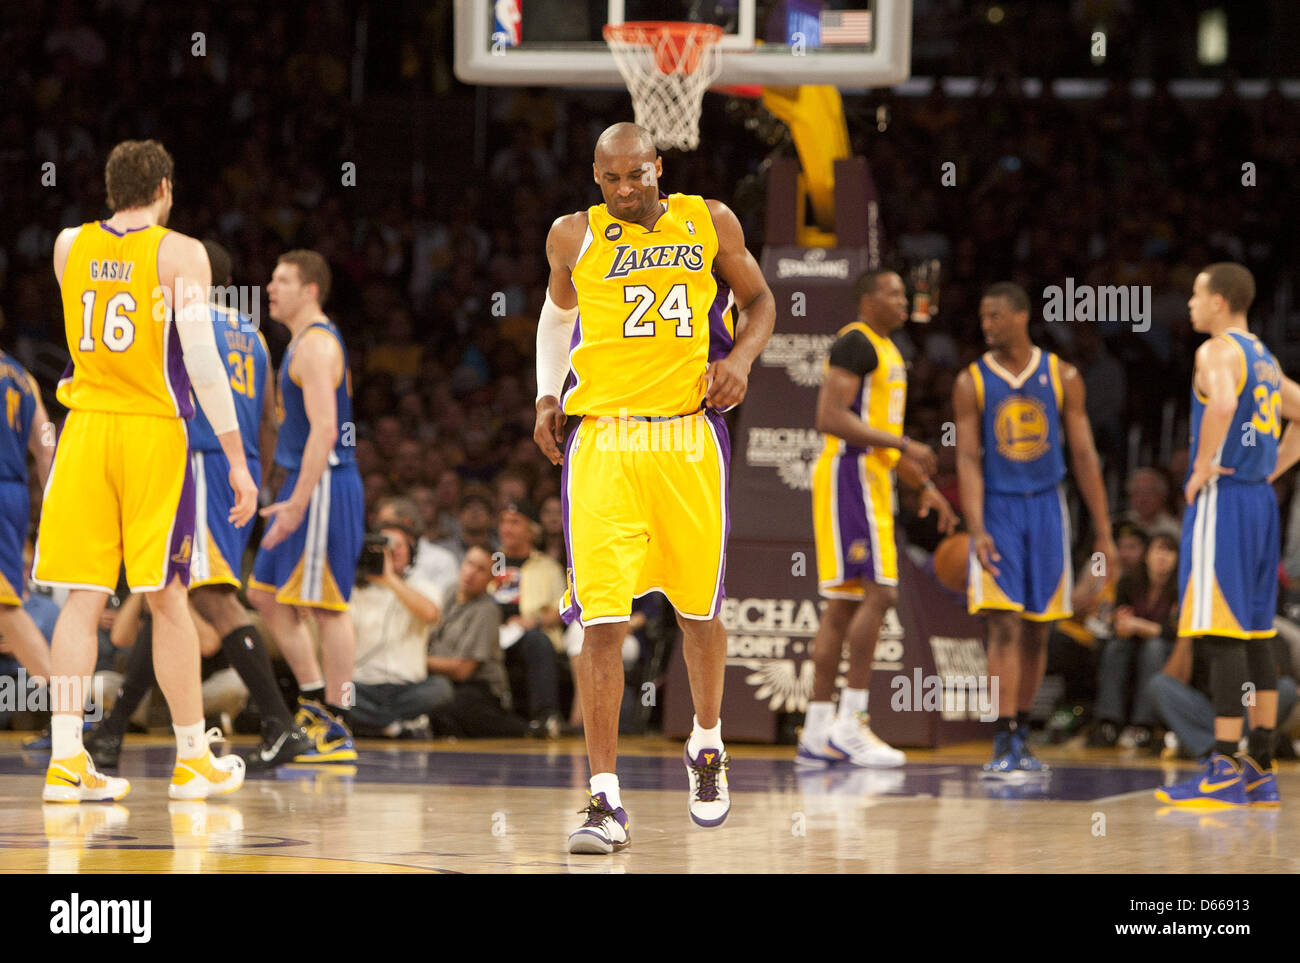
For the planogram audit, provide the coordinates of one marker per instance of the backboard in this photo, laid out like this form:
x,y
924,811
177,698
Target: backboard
x,y
850,44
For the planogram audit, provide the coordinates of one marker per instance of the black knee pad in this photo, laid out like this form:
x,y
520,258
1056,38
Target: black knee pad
x,y
1261,665
1228,675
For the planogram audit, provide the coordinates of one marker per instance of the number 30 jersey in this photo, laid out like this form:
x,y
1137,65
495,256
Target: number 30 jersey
x,y
1250,449
126,357
243,351
652,313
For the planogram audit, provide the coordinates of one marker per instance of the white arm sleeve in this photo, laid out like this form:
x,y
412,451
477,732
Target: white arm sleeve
x,y
207,373
554,332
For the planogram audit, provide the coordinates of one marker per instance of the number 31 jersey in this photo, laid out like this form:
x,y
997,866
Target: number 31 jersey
x,y
243,351
652,313
126,357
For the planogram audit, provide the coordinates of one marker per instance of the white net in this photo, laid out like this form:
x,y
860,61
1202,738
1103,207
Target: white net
x,y
667,68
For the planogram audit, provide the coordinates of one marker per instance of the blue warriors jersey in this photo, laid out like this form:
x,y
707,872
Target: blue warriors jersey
x,y
294,426
20,407
243,349
1020,423
1250,448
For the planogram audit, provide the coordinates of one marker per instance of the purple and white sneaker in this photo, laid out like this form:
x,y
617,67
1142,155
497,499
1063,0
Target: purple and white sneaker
x,y
816,755
605,830
710,800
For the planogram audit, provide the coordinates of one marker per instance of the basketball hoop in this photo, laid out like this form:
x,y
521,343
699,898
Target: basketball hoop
x,y
667,67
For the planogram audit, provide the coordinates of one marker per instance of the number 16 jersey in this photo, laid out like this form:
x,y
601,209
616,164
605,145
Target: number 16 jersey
x,y
126,357
652,313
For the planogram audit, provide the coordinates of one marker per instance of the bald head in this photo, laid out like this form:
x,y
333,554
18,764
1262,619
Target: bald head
x,y
627,168
626,140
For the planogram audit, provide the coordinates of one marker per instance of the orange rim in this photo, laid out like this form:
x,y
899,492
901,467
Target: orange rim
x,y
669,38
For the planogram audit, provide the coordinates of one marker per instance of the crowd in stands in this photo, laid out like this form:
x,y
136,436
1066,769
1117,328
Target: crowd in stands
x,y
438,282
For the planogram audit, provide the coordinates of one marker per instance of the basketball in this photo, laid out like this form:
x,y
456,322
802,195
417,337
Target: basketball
x,y
950,561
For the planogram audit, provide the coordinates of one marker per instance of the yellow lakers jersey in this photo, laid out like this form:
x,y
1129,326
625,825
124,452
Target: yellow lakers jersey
x,y
126,357
882,400
651,313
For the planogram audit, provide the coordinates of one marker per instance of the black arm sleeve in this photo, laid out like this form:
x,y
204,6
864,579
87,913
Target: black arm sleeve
x,y
854,352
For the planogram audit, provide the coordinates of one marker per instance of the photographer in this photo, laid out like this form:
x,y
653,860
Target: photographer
x,y
393,610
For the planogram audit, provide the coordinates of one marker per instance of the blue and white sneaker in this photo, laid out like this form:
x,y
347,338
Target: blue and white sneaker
x,y
1221,784
710,799
605,830
1027,761
1006,758
1260,784
816,754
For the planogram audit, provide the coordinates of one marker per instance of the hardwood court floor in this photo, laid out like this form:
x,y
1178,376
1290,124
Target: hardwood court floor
x,y
507,806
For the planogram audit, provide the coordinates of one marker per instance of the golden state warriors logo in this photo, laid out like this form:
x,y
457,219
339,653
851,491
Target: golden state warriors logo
x,y
1020,425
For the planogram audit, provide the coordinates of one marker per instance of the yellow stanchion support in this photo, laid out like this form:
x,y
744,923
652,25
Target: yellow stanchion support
x,y
815,116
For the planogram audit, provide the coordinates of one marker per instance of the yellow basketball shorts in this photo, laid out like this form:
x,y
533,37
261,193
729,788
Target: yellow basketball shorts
x,y
645,509
853,522
120,491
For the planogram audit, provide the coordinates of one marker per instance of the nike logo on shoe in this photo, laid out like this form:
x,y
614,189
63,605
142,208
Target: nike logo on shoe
x,y
269,754
1207,787
70,782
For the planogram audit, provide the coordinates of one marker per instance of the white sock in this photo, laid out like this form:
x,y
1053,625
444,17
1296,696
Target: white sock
x,y
818,720
852,701
65,735
702,738
606,782
313,690
191,743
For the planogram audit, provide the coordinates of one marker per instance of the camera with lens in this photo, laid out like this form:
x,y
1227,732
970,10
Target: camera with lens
x,y
372,555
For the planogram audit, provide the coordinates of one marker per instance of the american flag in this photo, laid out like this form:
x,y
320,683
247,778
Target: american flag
x,y
846,26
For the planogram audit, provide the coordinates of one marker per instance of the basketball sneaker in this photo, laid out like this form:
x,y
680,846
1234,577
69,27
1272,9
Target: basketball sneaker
x,y
280,747
1221,784
1006,758
310,712
605,830
860,746
1260,784
105,747
710,799
75,779
815,754
330,740
207,775
1026,761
